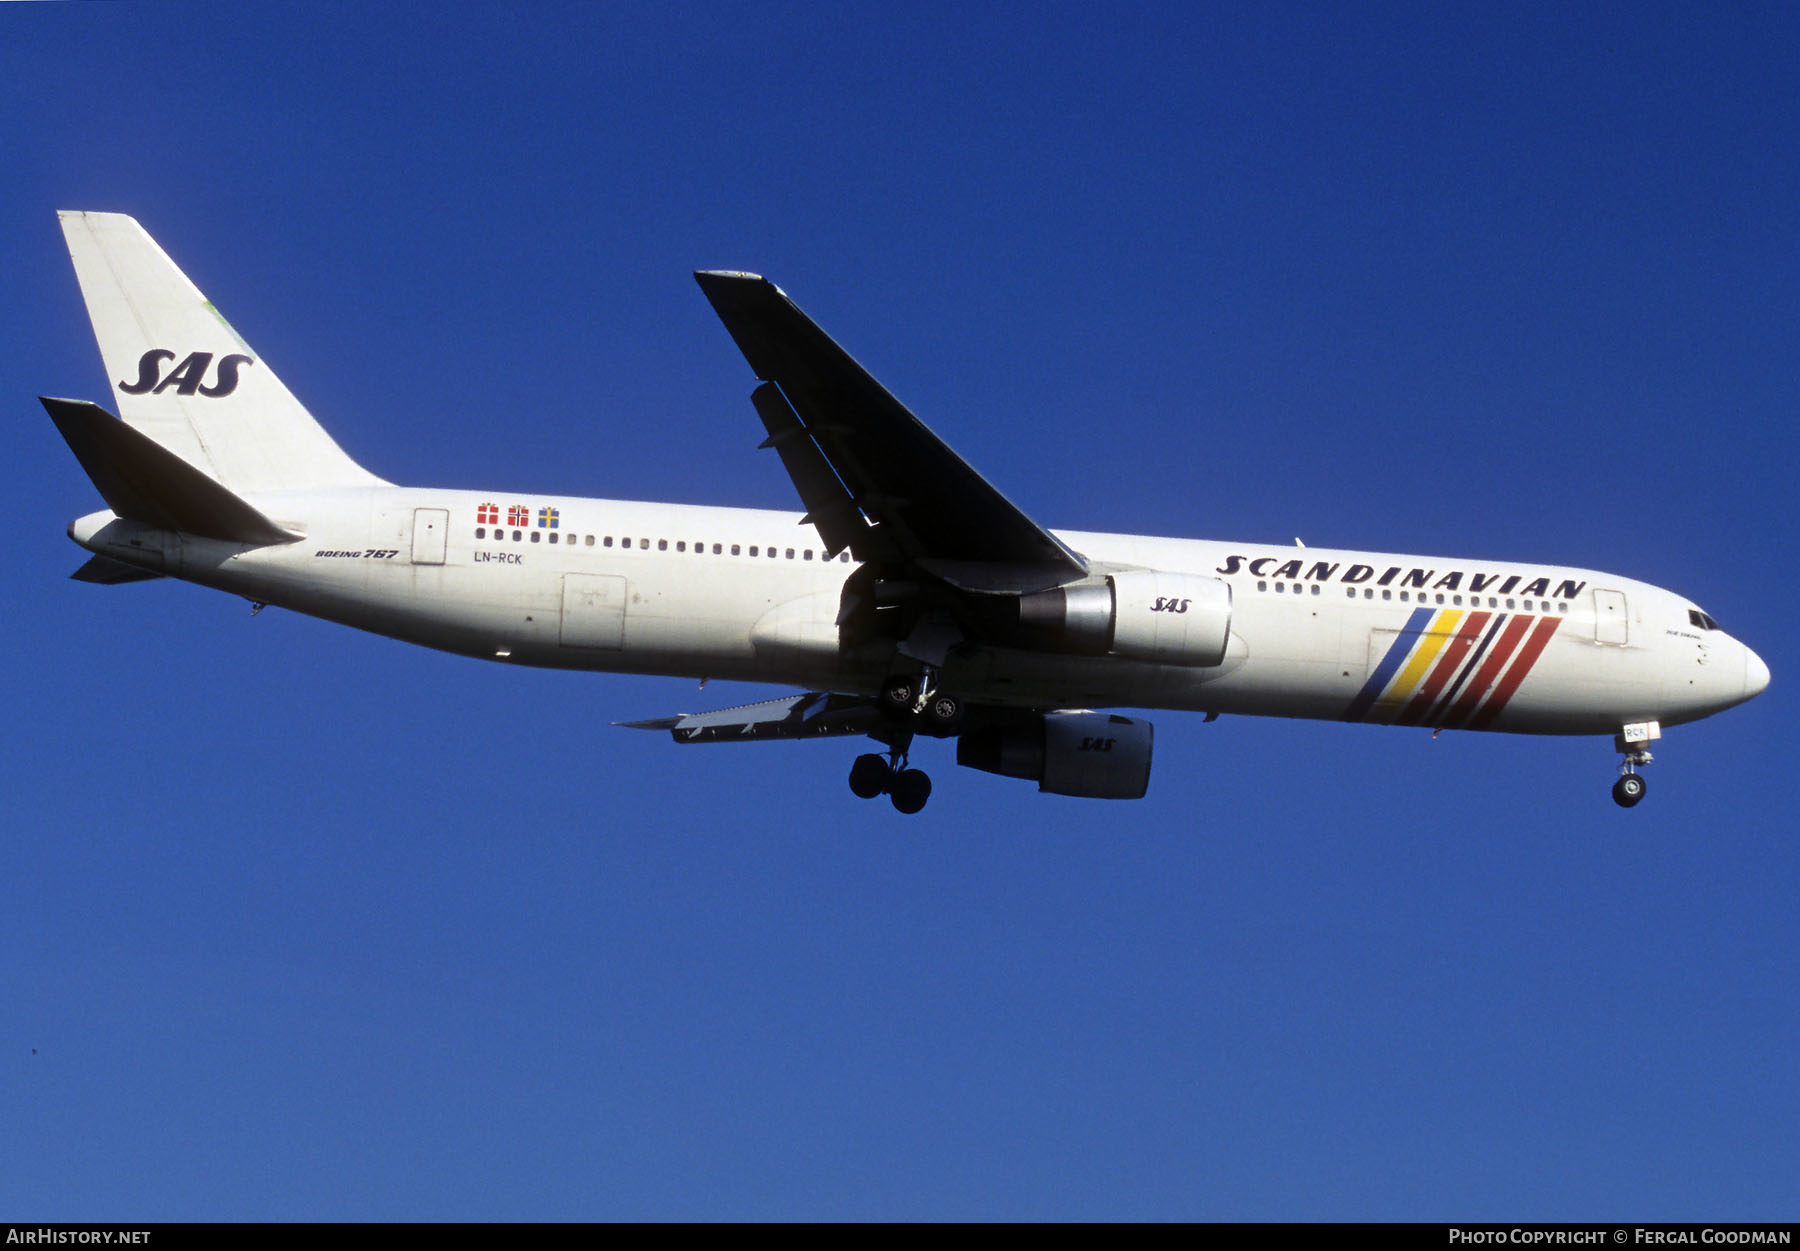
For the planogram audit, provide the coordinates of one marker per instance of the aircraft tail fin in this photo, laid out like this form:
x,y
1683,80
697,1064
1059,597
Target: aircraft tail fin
x,y
143,481
182,376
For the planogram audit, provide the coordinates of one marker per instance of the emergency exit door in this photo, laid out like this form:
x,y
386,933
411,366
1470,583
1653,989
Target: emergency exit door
x,y
431,532
593,611
1611,622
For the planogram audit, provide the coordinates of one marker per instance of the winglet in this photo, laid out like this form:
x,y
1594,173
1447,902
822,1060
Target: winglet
x,y
141,480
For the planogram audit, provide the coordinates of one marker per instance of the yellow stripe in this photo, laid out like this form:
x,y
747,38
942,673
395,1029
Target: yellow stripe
x,y
1441,630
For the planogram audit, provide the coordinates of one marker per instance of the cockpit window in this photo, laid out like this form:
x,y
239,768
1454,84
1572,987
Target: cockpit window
x,y
1701,619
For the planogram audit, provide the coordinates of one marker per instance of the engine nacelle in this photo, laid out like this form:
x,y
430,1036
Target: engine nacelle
x,y
1141,614
1097,755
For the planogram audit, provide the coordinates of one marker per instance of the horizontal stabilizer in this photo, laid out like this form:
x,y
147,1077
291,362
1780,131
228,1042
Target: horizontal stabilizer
x,y
816,714
142,481
105,571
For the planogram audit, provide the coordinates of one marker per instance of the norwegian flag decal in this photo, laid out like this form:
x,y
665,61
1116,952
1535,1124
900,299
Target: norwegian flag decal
x,y
518,515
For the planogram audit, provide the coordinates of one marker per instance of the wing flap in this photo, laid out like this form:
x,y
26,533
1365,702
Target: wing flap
x,y
815,714
829,506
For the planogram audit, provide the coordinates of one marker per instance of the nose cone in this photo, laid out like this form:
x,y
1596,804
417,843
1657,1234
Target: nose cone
x,y
1756,674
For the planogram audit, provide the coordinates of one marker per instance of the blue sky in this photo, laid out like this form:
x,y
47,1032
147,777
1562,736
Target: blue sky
x,y
300,923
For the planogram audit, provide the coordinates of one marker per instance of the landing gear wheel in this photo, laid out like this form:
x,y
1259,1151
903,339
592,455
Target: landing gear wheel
x,y
898,694
1628,790
943,713
909,790
869,776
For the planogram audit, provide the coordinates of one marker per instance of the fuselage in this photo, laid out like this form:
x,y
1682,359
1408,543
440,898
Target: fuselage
x,y
619,586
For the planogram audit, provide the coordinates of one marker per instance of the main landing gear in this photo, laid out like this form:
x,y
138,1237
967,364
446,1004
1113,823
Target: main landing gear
x,y
1633,743
913,705
874,775
915,698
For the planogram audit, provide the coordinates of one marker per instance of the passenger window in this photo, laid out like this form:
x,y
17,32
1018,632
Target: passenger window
x,y
662,545
553,536
1315,588
1456,600
1509,603
515,536
734,549
590,540
1440,598
1387,594
716,549
790,553
1406,597
1262,586
481,532
754,549
536,536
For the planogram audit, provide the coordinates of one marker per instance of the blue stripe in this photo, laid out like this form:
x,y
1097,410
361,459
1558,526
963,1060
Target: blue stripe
x,y
1390,664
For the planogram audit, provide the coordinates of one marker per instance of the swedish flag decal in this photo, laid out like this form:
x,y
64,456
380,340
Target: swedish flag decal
x,y
548,518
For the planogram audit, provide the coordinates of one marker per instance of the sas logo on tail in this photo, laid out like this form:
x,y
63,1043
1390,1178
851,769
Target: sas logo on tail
x,y
185,377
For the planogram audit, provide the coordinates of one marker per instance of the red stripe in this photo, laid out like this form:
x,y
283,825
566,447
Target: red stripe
x,y
1455,652
1534,647
1510,634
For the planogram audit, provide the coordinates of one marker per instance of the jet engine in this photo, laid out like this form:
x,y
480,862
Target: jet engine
x,y
1142,614
1097,755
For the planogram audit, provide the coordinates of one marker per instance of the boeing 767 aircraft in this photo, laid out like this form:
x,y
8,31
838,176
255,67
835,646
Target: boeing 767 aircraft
x,y
912,598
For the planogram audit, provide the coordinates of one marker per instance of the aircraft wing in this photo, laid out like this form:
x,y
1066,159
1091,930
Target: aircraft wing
x,y
872,476
816,714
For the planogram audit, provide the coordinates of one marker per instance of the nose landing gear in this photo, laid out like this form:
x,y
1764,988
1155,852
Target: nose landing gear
x,y
1633,742
1629,788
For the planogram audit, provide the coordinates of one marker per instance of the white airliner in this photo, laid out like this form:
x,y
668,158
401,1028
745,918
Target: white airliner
x,y
910,599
